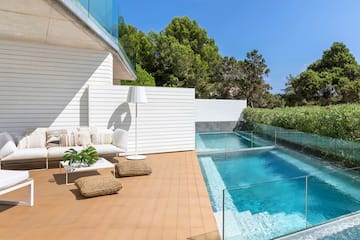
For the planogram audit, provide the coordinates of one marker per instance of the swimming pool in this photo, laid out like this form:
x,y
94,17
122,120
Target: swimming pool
x,y
282,205
206,142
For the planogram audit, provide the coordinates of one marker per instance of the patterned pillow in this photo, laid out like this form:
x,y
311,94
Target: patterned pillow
x,y
70,139
102,136
53,137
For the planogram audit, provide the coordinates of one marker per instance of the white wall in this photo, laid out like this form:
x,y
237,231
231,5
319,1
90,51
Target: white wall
x,y
46,86
166,123
214,110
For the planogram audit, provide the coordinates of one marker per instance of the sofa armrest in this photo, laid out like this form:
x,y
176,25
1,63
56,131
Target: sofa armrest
x,y
120,139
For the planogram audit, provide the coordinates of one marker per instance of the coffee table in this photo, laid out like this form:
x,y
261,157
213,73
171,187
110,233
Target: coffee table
x,y
100,164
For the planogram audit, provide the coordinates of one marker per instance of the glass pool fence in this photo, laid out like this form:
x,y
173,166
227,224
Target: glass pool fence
x,y
347,152
271,209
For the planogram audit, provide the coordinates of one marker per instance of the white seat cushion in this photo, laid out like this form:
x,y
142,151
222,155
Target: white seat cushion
x,y
27,153
103,149
58,152
11,177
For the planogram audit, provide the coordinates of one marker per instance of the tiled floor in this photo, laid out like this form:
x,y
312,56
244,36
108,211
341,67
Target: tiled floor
x,y
172,203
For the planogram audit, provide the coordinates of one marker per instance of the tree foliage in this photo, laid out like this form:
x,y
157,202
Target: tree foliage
x,y
335,78
182,55
143,78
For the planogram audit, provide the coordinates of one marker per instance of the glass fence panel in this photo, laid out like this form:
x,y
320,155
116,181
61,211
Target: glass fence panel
x,y
336,149
332,195
229,141
105,13
264,211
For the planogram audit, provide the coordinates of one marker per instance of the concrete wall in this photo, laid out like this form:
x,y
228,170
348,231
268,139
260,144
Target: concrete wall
x,y
214,115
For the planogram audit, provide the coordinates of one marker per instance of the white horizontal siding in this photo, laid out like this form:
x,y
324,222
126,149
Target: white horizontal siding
x,y
166,123
47,86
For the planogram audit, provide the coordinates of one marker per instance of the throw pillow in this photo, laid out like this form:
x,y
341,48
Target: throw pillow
x,y
120,138
7,145
84,138
36,141
23,142
53,137
102,136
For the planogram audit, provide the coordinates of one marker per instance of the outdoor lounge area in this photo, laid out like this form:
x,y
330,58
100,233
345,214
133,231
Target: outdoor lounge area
x,y
139,131
171,203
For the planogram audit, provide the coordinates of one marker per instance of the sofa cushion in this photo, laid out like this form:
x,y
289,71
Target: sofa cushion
x,y
7,145
58,152
103,149
98,185
132,168
9,178
27,153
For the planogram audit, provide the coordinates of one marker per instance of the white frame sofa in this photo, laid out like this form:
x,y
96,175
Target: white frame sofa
x,y
37,147
11,180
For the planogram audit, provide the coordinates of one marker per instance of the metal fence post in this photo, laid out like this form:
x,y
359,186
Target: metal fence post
x,y
223,214
306,200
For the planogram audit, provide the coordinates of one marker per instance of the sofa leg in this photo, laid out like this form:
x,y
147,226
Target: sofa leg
x,y
47,163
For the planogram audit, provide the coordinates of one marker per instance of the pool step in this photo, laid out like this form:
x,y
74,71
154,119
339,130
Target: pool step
x,y
261,225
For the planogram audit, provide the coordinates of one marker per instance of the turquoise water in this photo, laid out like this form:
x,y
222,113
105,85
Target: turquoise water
x,y
264,211
227,141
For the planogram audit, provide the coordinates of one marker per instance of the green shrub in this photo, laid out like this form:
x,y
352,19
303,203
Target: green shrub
x,y
339,121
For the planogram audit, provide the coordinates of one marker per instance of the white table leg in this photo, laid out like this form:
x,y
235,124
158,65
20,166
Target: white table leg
x,y
31,193
66,178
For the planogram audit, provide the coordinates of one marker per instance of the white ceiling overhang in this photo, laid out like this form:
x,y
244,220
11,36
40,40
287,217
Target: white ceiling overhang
x,y
52,22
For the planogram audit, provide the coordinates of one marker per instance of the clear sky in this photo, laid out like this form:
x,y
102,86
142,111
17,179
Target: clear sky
x,y
290,34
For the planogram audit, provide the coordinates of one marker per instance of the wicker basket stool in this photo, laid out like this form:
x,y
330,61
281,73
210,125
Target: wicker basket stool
x,y
132,168
98,185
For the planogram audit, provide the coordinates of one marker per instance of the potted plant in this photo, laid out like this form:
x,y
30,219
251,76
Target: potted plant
x,y
85,157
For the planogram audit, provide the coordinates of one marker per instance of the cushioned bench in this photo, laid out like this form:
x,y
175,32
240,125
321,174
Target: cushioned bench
x,y
98,185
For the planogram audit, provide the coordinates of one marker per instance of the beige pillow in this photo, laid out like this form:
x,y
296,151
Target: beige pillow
x,y
36,141
102,136
84,138
23,142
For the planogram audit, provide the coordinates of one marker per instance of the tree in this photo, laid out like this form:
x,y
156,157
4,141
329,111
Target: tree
x,y
143,78
138,46
251,85
335,78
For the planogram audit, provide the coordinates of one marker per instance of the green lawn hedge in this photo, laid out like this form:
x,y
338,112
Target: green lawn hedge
x,y
339,121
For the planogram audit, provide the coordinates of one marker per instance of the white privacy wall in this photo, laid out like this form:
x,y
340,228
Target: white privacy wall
x,y
46,86
214,110
166,123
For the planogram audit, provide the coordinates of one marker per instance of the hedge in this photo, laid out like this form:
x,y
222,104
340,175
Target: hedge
x,y
338,121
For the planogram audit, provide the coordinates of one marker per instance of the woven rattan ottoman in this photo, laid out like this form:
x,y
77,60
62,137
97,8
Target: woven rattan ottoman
x,y
98,185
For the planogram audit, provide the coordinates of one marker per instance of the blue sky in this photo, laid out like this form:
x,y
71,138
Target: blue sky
x,y
290,34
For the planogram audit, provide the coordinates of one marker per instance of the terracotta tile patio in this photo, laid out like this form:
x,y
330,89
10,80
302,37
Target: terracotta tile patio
x,y
172,203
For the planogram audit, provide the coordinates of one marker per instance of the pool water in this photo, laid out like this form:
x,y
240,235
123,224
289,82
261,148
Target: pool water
x,y
227,141
278,207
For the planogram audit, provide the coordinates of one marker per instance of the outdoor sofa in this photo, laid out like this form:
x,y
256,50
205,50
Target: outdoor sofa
x,y
51,144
